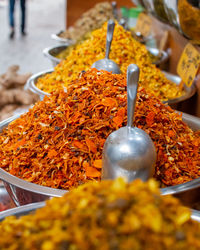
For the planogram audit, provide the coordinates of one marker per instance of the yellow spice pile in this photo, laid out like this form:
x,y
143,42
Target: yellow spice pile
x,y
124,51
107,215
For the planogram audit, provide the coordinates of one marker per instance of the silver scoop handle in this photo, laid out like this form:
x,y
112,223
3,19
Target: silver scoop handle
x,y
132,86
114,10
110,30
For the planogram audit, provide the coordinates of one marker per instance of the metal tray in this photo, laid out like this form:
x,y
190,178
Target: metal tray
x,y
31,84
24,192
31,208
62,40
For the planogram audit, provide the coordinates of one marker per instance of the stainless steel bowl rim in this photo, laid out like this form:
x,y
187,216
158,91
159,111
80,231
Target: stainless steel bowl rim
x,y
164,55
29,186
31,82
190,91
48,52
61,39
22,210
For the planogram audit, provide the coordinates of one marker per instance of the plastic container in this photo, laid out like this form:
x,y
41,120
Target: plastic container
x,y
133,16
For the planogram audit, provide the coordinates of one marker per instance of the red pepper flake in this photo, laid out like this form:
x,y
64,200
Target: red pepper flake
x,y
119,118
97,163
171,133
150,118
92,172
52,153
91,145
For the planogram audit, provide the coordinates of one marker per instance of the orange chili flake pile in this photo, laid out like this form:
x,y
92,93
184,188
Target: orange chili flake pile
x,y
59,142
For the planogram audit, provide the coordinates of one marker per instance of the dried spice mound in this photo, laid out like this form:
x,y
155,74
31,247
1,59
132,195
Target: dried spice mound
x,y
124,51
90,20
59,142
106,215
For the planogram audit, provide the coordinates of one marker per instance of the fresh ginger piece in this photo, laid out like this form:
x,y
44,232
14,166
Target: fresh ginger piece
x,y
16,96
11,79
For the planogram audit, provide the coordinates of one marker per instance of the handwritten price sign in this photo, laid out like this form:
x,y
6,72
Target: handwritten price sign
x,y
143,24
188,64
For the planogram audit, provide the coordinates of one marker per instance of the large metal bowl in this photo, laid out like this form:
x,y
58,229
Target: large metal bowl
x,y
189,91
31,208
24,192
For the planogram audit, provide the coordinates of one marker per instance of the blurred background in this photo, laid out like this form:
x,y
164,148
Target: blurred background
x,y
43,18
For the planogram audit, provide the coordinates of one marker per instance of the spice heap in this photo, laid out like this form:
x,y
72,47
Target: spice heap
x,y
106,215
124,51
92,19
189,16
64,53
59,142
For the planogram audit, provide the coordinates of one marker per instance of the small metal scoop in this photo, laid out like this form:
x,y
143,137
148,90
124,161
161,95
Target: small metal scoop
x,y
123,23
129,152
114,10
106,63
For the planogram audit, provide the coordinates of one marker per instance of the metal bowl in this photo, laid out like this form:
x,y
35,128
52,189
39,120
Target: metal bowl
x,y
51,53
62,40
149,5
31,83
171,9
20,211
24,192
190,91
162,59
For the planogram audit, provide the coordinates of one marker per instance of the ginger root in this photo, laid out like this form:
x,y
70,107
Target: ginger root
x,y
12,79
16,96
12,93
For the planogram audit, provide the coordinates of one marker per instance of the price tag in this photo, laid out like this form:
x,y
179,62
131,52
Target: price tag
x,y
143,24
188,64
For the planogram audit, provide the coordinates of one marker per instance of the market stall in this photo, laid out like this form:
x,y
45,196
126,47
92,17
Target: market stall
x,y
57,147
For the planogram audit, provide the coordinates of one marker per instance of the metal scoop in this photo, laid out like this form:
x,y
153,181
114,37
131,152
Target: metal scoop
x,y
114,10
129,152
106,63
123,23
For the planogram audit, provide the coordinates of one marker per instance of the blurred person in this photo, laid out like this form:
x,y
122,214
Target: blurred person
x,y
12,20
